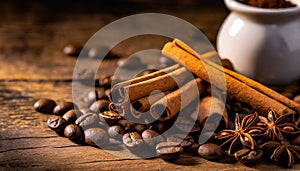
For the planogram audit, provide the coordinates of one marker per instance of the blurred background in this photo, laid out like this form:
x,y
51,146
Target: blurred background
x,y
33,33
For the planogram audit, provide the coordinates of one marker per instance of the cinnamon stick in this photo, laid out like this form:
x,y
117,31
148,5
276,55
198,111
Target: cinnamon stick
x,y
118,89
209,72
141,106
170,105
164,82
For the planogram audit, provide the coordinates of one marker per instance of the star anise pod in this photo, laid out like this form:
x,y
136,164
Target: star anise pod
x,y
279,127
282,152
239,138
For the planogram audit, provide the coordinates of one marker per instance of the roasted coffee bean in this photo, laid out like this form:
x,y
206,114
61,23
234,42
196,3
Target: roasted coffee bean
x,y
101,94
106,81
185,141
247,156
227,64
152,138
57,123
127,125
99,106
146,72
99,52
110,117
96,136
88,120
74,133
108,94
92,96
72,50
44,105
116,132
62,107
211,151
140,128
72,115
132,140
169,150
297,99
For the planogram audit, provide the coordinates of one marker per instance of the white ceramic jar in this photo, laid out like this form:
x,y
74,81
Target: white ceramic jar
x,y
263,44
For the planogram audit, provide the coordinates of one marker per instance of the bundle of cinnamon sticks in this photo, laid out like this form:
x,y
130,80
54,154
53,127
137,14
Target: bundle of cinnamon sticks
x,y
162,94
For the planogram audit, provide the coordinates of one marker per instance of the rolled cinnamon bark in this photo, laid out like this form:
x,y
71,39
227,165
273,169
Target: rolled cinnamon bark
x,y
118,92
259,100
141,106
212,113
168,106
164,82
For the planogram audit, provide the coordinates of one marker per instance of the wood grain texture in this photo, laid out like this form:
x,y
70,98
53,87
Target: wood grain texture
x,y
33,66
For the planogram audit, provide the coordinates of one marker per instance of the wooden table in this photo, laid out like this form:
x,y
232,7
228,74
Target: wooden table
x,y
33,66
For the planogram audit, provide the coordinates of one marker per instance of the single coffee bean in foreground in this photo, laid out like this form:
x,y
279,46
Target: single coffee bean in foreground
x,y
211,151
63,107
74,133
57,123
96,136
132,140
44,105
169,150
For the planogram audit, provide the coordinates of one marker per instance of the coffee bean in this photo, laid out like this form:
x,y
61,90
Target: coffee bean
x,y
44,105
247,156
211,151
99,52
110,117
169,150
140,128
62,107
74,133
106,81
99,106
116,132
57,123
227,64
96,136
72,50
152,138
88,120
132,140
297,99
184,140
72,115
127,125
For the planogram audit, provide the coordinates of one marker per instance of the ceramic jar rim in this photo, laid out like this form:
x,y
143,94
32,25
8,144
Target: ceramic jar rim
x,y
234,5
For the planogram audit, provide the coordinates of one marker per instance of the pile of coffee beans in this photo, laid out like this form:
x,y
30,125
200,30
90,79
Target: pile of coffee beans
x,y
100,125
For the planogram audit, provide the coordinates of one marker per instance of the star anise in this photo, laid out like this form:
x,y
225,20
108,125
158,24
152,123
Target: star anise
x,y
279,127
235,140
282,152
